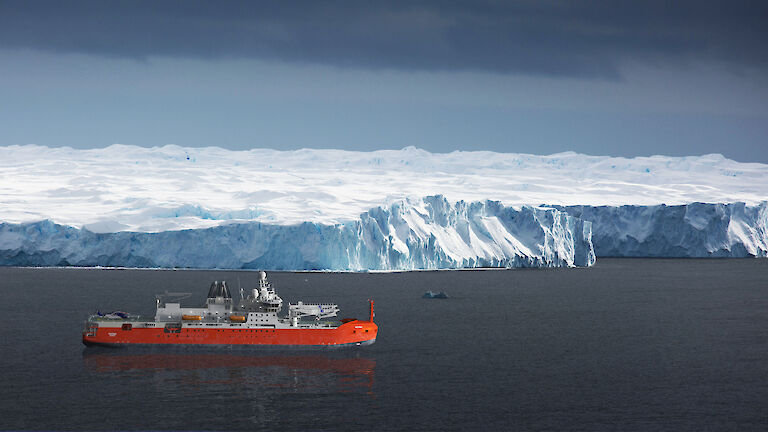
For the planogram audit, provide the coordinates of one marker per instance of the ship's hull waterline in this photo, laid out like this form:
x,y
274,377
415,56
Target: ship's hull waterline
x,y
355,333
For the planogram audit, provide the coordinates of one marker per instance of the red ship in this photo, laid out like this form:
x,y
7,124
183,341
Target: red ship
x,y
254,322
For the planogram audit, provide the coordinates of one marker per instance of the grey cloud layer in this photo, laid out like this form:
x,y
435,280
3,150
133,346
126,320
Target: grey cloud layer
x,y
590,38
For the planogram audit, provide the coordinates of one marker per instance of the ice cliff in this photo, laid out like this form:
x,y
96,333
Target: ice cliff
x,y
428,233
210,207
691,231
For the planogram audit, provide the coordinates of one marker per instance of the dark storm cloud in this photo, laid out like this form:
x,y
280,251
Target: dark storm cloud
x,y
571,38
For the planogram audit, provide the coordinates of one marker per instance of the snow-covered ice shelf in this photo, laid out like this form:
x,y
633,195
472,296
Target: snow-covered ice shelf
x,y
383,210
158,189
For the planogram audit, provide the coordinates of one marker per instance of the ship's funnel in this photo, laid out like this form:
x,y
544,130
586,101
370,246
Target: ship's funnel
x,y
219,289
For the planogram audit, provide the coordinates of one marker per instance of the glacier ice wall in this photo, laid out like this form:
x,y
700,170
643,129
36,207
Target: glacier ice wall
x,y
693,230
428,233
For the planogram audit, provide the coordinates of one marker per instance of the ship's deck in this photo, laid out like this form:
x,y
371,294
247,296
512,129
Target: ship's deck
x,y
130,318
136,319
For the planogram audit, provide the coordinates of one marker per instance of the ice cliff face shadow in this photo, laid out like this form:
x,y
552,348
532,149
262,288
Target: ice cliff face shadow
x,y
696,230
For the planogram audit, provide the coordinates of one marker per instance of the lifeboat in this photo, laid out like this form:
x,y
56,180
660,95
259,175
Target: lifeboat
x,y
237,318
191,317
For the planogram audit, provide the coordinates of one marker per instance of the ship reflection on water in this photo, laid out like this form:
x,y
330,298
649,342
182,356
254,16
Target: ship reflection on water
x,y
214,372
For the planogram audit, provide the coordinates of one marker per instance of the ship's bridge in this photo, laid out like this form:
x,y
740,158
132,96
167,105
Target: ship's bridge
x,y
263,299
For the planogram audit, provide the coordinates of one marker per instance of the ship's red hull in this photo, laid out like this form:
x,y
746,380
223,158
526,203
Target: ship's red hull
x,y
351,333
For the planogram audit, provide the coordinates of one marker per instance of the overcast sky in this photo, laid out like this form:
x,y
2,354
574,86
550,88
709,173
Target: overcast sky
x,y
597,77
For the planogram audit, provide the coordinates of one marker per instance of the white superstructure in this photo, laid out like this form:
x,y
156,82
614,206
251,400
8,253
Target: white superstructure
x,y
259,309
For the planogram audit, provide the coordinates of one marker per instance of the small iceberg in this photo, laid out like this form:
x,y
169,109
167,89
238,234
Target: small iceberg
x,y
431,295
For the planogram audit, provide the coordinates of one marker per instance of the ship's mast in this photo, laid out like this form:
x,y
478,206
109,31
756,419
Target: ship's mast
x,y
372,314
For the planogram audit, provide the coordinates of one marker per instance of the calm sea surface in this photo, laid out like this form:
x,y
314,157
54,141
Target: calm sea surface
x,y
630,344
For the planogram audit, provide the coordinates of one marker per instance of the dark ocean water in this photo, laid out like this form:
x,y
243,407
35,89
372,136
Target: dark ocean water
x,y
630,344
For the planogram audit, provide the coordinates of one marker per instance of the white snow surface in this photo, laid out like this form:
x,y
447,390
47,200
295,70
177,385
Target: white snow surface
x,y
129,188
